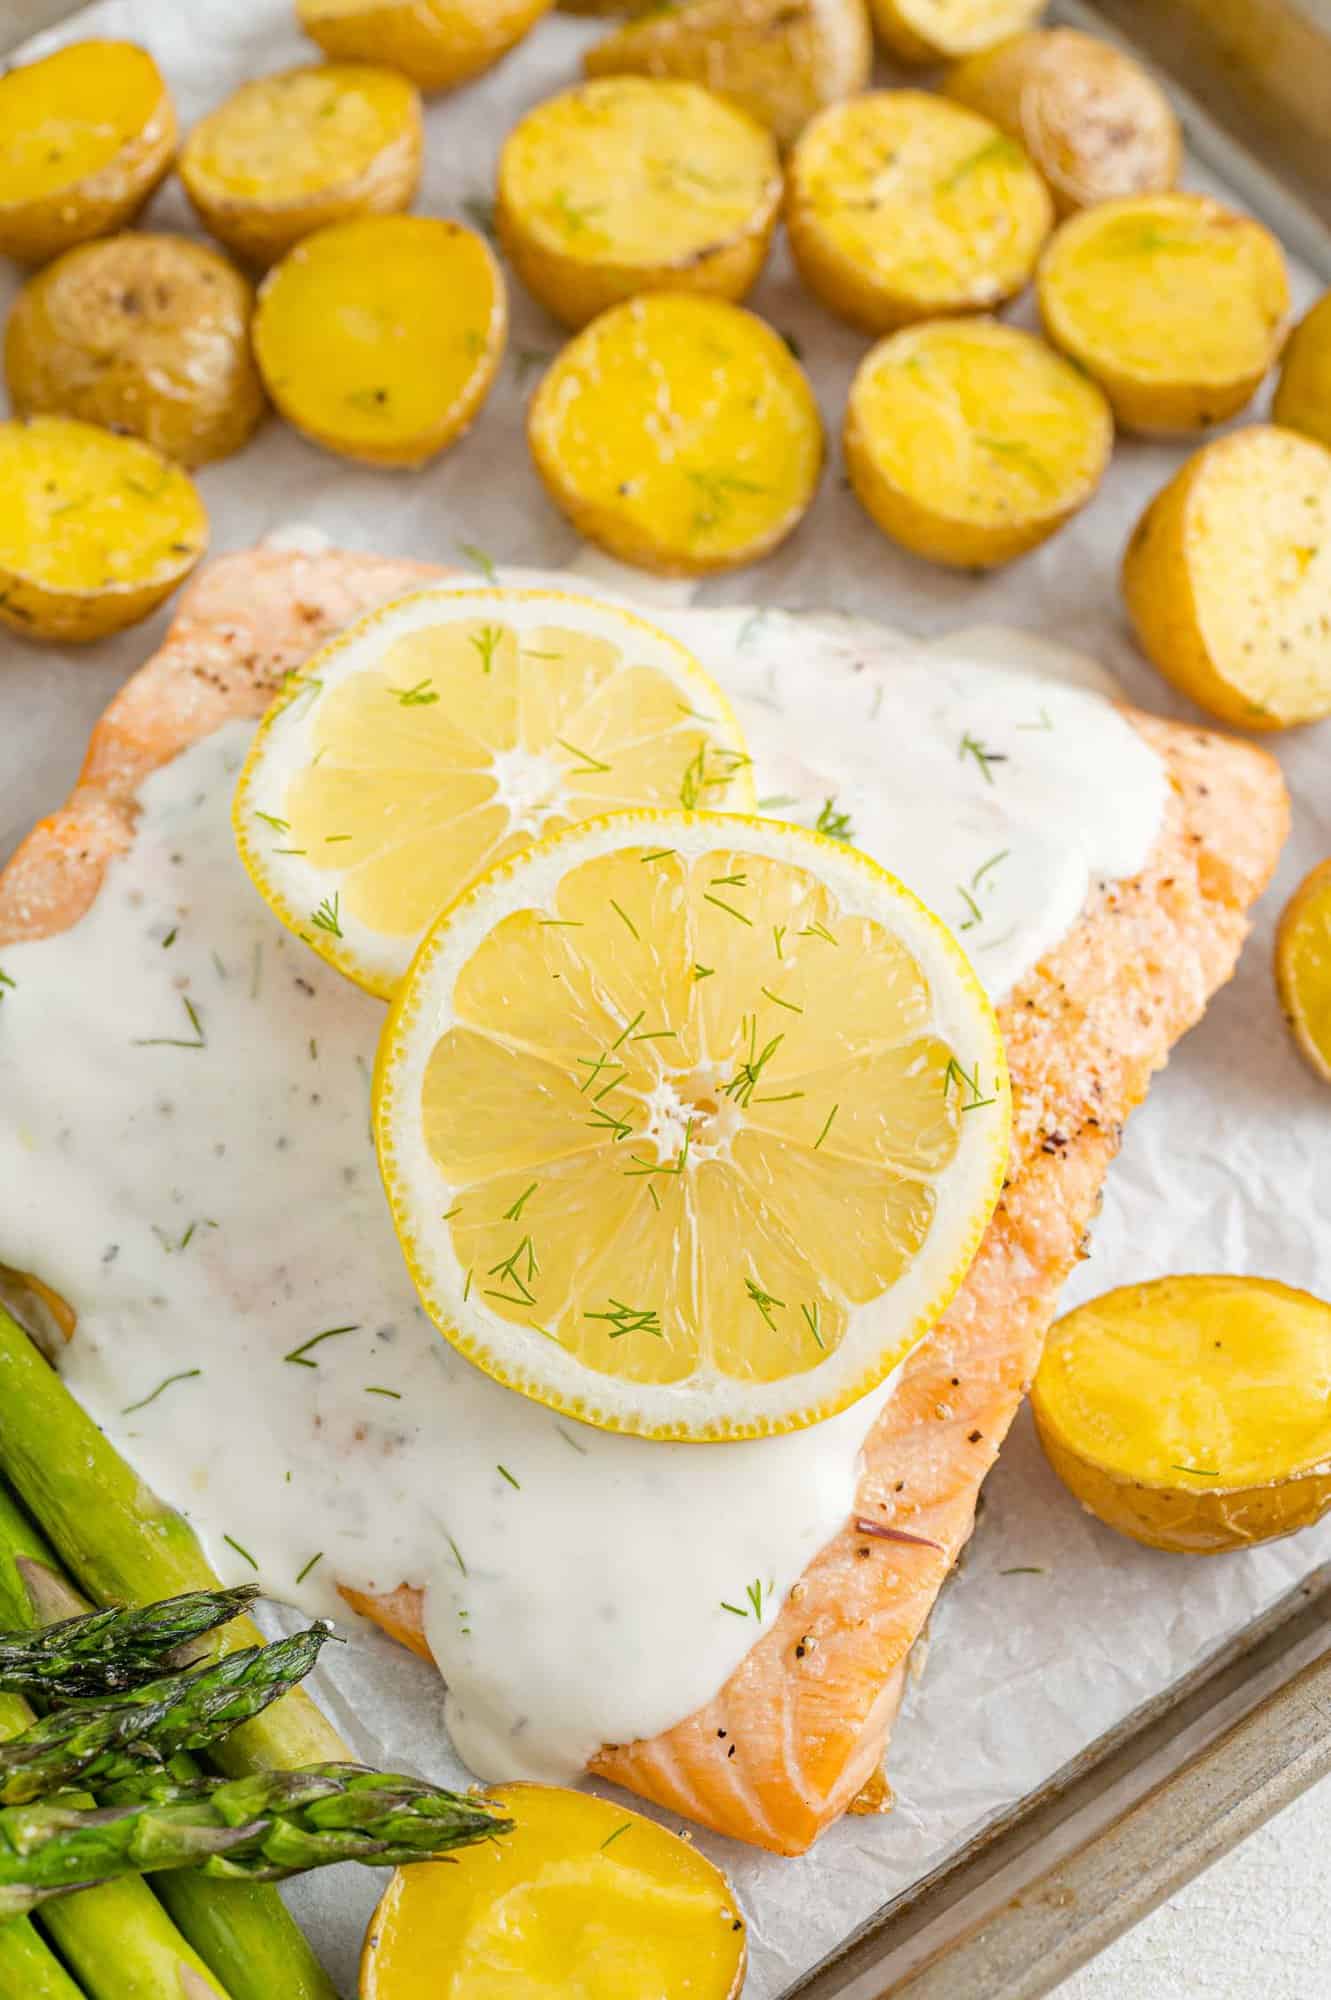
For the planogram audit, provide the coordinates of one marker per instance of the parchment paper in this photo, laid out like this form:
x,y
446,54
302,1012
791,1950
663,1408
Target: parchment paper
x,y
1225,1169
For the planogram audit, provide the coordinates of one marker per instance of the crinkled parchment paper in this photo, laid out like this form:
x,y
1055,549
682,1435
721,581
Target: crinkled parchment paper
x,y
1225,1169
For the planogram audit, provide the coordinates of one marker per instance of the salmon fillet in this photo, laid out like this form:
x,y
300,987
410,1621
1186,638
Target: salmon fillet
x,y
798,1732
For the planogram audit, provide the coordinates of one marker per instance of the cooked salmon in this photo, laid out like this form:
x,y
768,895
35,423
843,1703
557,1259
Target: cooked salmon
x,y
798,1733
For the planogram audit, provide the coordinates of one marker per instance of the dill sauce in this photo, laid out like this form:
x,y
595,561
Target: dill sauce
x,y
185,1154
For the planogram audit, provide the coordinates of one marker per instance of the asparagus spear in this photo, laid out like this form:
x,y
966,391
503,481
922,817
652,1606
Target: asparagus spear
x,y
108,1652
95,1743
241,1930
117,1938
121,1544
264,1828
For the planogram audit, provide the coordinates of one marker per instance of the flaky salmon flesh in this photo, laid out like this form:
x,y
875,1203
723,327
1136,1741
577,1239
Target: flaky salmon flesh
x,y
798,1733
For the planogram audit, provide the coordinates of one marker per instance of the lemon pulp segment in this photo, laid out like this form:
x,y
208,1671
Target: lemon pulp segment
x,y
445,735
691,1115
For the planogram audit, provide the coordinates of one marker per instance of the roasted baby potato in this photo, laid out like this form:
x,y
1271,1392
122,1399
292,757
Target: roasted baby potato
x,y
85,136
971,442
1227,578
631,185
287,154
1096,124
582,1896
1303,394
437,43
782,60
901,206
1174,303
929,31
1303,967
95,529
146,334
1191,1413
678,433
380,338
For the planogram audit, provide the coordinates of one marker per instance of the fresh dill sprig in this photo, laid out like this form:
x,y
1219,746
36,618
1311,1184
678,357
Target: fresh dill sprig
x,y
741,1086
240,1550
970,746
955,1074
484,643
272,820
418,696
629,1319
299,1355
479,560
184,1375
200,1040
827,1126
811,1315
835,825
327,917
766,1302
303,1573
512,1214
589,766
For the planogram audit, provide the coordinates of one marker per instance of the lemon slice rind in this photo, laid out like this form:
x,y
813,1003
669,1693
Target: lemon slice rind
x,y
708,1406
305,897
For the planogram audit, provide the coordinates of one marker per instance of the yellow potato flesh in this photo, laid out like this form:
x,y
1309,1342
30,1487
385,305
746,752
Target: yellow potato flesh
x,y
1192,1412
1167,289
679,433
1303,397
1303,967
902,206
970,441
71,114
1227,578
637,171
922,31
437,43
81,507
581,1901
281,138
380,337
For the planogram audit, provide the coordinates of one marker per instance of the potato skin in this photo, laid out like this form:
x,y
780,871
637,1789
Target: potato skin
x,y
1178,398
923,35
1303,395
34,230
145,334
1185,534
437,43
1095,122
261,229
39,606
782,60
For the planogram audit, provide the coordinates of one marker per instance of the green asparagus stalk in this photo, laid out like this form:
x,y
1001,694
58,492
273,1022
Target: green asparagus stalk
x,y
118,1938
92,1744
241,1930
263,1828
112,1651
121,1544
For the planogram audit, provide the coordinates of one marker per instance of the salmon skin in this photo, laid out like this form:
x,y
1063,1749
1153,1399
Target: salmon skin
x,y
798,1733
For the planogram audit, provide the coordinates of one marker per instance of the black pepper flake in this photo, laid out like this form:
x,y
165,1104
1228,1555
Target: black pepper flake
x,y
975,1437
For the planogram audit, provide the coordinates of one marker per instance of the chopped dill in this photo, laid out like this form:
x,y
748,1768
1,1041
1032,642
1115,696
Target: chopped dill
x,y
729,908
504,1473
327,917
765,1301
819,931
484,643
479,560
625,918
791,1006
199,1041
512,1214
457,1554
420,695
372,1389
835,825
955,1074
240,1551
302,1574
702,972
629,1319
571,1441
971,747
827,1126
298,1355
184,1375
589,766
810,1315
611,1838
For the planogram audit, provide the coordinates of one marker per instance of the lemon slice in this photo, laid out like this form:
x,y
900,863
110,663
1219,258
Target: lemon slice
x,y
447,731
690,1123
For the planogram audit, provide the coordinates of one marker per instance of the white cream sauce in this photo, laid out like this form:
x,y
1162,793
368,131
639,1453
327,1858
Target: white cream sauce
x,y
209,1203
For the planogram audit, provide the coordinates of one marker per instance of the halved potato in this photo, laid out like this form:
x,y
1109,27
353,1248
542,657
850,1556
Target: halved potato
x,y
380,338
287,154
929,31
145,334
1227,578
1303,394
901,206
1192,1413
437,43
85,136
629,184
581,1898
678,433
1303,967
1176,304
971,442
95,529
1095,122
781,59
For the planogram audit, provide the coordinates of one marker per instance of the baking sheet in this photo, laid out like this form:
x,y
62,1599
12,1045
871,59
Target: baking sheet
x,y
1220,1170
